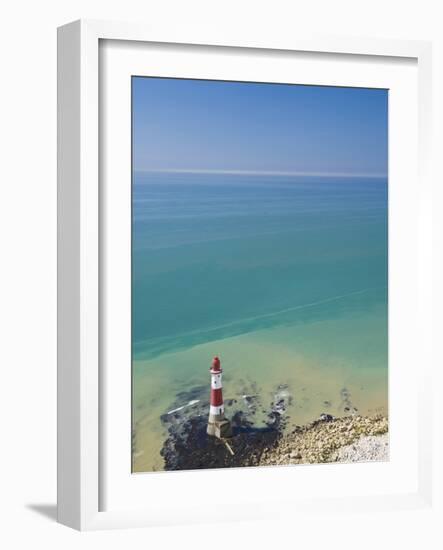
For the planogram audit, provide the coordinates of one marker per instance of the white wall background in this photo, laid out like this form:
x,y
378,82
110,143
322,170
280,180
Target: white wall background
x,y
28,265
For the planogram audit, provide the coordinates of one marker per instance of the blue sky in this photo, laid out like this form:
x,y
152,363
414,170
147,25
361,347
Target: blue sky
x,y
198,125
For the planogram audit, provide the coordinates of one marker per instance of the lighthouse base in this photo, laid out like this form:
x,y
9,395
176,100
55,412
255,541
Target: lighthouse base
x,y
219,428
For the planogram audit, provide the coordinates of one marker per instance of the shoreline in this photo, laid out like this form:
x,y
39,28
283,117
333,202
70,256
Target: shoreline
x,y
306,374
345,439
264,431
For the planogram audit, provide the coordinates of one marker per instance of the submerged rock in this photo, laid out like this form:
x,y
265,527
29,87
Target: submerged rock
x,y
191,448
187,445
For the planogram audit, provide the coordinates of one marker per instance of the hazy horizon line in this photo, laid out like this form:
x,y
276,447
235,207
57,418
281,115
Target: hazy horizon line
x,y
263,172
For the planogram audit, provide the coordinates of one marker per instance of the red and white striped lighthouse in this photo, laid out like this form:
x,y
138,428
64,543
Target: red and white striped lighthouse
x,y
217,424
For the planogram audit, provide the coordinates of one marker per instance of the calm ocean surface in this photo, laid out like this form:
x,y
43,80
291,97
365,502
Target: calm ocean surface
x,y
284,277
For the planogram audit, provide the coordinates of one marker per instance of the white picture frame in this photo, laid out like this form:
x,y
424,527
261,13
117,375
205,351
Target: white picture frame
x,y
81,471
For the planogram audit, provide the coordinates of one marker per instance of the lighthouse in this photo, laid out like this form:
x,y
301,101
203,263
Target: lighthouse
x,y
218,426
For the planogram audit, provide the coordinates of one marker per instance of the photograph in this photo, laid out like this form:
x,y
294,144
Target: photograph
x,y
259,274
223,269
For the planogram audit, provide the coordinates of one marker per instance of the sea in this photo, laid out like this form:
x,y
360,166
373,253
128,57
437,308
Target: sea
x,y
284,277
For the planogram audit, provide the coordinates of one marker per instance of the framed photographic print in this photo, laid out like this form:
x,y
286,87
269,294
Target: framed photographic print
x,y
241,224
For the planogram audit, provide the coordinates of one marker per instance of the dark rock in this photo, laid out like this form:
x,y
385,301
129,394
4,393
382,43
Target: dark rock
x,y
188,446
191,448
240,419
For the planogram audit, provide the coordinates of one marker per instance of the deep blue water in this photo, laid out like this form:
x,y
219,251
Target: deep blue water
x,y
219,255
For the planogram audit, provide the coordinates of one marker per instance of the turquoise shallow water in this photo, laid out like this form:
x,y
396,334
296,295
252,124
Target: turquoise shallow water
x,y
284,277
